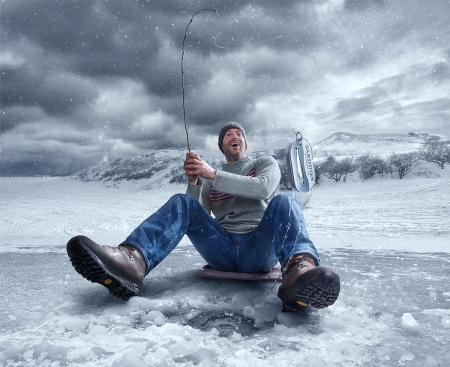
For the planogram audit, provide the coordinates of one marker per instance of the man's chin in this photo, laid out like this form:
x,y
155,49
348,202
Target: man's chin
x,y
234,155
238,155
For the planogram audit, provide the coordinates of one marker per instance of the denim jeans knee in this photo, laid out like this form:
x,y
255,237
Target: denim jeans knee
x,y
284,216
280,234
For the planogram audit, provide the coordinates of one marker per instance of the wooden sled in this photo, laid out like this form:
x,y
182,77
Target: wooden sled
x,y
272,276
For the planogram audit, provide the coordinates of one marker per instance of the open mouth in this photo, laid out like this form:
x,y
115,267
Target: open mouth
x,y
234,145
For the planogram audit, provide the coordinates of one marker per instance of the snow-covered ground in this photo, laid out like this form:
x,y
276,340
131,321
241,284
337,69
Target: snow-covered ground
x,y
388,239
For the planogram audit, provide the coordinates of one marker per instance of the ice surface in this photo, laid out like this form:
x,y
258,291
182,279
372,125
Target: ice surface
x,y
446,321
387,238
409,323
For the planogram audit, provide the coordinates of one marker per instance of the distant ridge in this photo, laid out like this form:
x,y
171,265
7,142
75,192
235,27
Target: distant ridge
x,y
384,144
156,169
162,167
153,169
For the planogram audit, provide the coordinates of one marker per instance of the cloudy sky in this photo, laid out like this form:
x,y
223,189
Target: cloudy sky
x,y
86,81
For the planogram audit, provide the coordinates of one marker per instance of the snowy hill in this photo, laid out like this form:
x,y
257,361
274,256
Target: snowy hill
x,y
349,144
159,168
155,169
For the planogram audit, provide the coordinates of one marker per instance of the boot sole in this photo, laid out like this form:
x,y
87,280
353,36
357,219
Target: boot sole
x,y
318,287
90,262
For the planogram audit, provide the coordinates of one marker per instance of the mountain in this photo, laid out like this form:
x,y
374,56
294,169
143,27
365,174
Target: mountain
x,y
156,168
349,144
153,169
161,167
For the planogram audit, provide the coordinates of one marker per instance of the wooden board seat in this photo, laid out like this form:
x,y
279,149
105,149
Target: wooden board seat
x,y
272,276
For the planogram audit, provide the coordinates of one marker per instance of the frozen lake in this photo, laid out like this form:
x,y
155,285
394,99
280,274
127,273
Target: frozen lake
x,y
387,238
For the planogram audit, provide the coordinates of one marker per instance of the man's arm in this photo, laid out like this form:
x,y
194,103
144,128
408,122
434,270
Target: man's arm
x,y
260,187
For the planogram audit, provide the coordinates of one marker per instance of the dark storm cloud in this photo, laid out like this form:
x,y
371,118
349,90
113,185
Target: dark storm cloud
x,y
383,98
440,72
354,106
17,115
361,59
57,94
90,80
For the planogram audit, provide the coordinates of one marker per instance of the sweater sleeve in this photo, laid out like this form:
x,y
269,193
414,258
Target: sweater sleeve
x,y
260,187
194,190
201,193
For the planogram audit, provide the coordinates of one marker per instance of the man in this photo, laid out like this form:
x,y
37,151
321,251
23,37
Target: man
x,y
253,230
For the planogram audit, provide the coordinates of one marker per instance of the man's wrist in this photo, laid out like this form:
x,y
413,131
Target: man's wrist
x,y
210,175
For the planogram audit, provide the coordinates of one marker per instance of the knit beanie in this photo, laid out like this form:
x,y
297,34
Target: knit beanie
x,y
228,126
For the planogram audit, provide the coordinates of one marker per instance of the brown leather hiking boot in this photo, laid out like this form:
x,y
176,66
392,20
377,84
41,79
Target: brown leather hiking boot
x,y
305,284
120,269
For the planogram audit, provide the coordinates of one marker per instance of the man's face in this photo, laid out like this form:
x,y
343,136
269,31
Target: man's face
x,y
233,145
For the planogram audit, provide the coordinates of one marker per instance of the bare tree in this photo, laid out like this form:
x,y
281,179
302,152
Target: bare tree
x,y
347,166
403,163
317,173
284,180
437,153
369,165
327,168
335,170
385,167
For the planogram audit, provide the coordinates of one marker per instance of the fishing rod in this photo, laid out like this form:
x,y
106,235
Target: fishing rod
x,y
182,72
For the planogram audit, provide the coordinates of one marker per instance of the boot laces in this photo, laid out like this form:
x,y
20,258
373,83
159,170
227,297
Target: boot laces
x,y
131,249
303,261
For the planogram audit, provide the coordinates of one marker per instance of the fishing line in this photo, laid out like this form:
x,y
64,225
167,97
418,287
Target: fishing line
x,y
235,20
259,75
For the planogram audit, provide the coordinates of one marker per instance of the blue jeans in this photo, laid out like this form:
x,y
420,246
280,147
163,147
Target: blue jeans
x,y
281,233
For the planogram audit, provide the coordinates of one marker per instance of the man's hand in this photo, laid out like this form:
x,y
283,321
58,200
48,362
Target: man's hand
x,y
195,166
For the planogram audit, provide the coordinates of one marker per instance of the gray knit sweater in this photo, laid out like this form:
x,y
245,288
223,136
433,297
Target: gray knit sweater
x,y
240,193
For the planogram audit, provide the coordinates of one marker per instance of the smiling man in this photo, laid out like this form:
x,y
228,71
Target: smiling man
x,y
253,229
